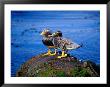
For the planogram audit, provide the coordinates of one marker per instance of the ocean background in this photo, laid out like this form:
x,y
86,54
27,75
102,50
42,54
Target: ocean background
x,y
82,27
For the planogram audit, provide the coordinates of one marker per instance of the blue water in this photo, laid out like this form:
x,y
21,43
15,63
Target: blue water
x,y
79,26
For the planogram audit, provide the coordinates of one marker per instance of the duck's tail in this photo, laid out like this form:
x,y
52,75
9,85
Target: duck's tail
x,y
74,46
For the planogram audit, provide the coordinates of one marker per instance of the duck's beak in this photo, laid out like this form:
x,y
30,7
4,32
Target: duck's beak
x,y
42,33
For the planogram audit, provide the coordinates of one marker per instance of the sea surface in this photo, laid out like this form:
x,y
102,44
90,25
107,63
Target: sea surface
x,y
82,27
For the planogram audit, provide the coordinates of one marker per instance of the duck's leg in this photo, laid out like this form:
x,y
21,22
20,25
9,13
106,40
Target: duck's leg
x,y
54,52
48,53
63,54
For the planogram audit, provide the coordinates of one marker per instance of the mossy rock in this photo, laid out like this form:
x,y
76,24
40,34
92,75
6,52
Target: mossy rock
x,y
51,66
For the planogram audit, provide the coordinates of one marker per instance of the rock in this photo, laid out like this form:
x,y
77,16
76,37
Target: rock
x,y
51,66
85,64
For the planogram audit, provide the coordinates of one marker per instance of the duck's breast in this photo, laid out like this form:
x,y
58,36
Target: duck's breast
x,y
47,42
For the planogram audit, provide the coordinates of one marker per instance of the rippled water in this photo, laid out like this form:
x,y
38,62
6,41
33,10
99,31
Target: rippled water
x,y
82,27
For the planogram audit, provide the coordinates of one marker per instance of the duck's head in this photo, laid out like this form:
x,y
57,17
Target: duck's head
x,y
46,32
57,34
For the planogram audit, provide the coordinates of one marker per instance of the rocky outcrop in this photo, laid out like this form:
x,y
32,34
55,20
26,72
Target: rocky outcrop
x,y
51,66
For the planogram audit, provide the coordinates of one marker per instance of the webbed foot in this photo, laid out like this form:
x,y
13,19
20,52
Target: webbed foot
x,y
48,53
53,54
62,56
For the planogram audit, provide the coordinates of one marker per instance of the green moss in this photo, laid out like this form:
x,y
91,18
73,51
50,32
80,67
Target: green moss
x,y
60,74
80,72
47,71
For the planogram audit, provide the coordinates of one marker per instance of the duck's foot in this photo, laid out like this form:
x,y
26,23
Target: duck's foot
x,y
48,53
62,56
53,54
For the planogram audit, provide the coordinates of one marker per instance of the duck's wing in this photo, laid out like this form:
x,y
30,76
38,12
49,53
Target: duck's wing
x,y
70,44
56,41
65,43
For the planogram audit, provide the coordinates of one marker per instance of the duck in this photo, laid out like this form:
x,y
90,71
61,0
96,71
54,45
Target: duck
x,y
48,41
64,43
57,41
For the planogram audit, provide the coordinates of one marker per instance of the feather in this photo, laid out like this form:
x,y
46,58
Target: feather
x,y
65,43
